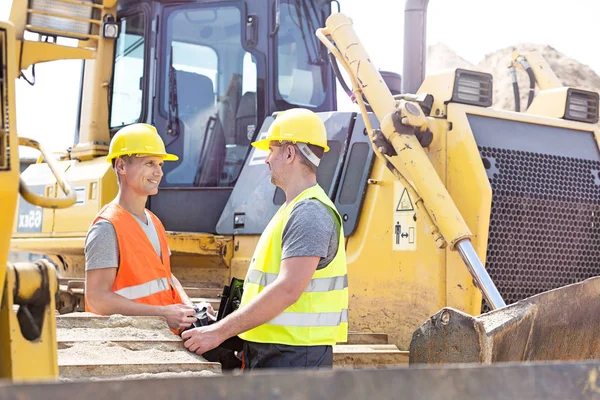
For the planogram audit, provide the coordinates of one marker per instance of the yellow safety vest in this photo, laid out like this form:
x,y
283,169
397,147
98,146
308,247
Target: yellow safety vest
x,y
320,316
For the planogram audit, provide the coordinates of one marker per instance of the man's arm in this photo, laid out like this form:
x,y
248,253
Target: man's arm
x,y
294,276
101,299
179,287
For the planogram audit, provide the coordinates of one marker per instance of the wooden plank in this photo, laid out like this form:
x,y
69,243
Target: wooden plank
x,y
87,359
361,356
118,371
367,338
94,321
200,291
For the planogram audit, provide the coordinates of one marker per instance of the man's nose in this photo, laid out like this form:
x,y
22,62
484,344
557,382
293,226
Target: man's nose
x,y
158,171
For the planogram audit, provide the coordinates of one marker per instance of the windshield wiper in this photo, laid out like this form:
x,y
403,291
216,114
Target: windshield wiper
x,y
308,24
173,125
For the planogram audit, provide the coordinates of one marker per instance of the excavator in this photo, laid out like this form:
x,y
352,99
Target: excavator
x,y
471,231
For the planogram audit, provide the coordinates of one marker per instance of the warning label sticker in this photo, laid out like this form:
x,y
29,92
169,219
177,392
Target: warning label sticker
x,y
404,204
404,235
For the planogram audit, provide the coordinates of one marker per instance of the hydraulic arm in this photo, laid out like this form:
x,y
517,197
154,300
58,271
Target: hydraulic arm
x,y
401,121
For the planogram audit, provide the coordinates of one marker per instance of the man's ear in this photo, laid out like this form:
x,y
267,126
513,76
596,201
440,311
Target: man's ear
x,y
291,152
119,165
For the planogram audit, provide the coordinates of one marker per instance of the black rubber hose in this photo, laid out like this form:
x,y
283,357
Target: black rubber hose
x,y
531,86
517,96
338,74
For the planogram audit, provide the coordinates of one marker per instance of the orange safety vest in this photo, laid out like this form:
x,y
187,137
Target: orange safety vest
x,y
142,276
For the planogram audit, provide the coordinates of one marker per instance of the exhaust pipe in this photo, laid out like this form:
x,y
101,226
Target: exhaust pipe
x,y
415,44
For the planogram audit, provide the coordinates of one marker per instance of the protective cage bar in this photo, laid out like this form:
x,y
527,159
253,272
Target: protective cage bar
x,y
67,18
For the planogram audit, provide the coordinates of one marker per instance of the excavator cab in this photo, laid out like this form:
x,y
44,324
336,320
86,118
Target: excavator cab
x,y
206,75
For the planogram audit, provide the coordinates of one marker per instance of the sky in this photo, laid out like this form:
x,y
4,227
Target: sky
x,y
472,28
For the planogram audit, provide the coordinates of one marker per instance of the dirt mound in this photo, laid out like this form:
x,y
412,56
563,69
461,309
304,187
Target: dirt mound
x,y
441,57
569,71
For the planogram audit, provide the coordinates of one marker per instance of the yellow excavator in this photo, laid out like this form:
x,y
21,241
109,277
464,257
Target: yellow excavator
x,y
431,182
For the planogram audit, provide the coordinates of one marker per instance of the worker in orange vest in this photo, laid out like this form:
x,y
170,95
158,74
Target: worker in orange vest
x,y
128,271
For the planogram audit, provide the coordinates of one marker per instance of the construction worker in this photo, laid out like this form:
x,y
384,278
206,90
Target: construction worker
x,y
127,263
295,301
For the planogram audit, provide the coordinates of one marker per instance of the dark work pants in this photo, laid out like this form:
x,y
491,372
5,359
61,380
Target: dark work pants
x,y
268,355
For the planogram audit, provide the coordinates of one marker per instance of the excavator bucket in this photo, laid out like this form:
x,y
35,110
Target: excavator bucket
x,y
561,324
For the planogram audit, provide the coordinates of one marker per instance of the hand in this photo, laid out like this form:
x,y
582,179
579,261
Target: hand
x,y
202,339
179,316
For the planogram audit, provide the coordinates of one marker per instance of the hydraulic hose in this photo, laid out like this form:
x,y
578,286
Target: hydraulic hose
x,y
338,74
521,60
531,85
513,74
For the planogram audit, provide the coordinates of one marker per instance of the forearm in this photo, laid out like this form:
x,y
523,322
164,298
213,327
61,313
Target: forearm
x,y
271,302
107,303
179,287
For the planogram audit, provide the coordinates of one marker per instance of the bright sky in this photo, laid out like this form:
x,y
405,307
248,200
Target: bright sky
x,y
472,28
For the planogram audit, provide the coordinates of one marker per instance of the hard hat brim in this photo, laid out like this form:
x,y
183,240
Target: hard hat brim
x,y
165,156
170,157
264,144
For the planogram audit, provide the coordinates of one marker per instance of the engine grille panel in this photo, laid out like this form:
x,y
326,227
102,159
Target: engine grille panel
x,y
544,226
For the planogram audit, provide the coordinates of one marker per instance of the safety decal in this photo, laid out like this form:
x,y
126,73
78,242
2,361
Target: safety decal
x,y
404,230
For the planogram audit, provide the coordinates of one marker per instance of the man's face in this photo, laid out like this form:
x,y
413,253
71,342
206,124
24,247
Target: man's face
x,y
276,160
142,174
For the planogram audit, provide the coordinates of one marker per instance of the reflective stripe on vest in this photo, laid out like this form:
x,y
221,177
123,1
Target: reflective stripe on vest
x,y
310,319
145,289
315,285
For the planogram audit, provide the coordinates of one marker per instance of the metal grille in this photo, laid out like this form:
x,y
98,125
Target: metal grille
x,y
544,221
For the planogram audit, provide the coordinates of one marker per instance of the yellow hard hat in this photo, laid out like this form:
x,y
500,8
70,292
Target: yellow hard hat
x,y
296,125
138,139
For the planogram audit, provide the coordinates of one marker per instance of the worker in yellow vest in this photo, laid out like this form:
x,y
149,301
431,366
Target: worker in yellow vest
x,y
294,306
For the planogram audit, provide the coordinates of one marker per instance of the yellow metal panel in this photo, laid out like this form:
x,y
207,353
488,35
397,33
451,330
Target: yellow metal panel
x,y
22,358
549,103
202,244
393,291
95,184
9,177
94,133
18,18
243,249
201,257
38,52
49,245
39,178
440,85
470,189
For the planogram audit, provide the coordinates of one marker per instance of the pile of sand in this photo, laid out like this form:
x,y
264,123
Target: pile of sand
x,y
120,347
569,71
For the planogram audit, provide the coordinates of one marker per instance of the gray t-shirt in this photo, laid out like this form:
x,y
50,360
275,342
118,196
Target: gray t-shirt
x,y
312,230
102,248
